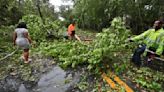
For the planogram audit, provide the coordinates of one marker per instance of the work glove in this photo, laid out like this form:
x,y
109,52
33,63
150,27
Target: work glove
x,y
151,57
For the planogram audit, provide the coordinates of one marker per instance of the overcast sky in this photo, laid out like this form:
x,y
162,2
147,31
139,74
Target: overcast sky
x,y
58,3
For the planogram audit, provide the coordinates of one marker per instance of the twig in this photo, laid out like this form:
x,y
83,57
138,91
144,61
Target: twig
x,y
147,50
87,39
12,53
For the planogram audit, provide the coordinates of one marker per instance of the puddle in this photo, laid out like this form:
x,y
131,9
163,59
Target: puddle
x,y
57,80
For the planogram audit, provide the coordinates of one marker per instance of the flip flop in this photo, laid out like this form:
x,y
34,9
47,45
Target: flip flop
x,y
26,62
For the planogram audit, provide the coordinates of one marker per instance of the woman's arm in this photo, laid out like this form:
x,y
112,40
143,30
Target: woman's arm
x,y
28,37
14,38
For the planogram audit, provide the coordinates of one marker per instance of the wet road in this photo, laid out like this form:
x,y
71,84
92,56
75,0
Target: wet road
x,y
57,80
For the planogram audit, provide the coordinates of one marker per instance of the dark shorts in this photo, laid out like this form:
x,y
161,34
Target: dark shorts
x,y
73,33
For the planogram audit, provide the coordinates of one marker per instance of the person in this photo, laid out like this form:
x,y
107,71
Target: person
x,y
22,39
153,39
71,31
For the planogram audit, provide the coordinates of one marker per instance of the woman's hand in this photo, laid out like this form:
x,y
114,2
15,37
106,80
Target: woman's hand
x,y
14,38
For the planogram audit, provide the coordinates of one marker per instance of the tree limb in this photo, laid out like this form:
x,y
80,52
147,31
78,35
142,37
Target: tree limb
x,y
9,55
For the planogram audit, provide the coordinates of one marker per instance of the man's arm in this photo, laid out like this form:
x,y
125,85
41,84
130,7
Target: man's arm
x,y
160,48
141,36
77,38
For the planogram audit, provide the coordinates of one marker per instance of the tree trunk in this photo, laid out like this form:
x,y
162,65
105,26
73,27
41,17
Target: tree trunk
x,y
39,10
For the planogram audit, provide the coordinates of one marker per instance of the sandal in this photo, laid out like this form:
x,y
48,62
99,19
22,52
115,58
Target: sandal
x,y
29,60
26,62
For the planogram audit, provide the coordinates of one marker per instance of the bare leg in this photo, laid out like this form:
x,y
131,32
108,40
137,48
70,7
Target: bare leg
x,y
26,55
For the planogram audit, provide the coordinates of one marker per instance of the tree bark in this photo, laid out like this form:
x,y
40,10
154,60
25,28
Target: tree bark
x,y
39,10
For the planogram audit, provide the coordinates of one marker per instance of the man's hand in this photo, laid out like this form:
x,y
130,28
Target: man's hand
x,y
151,57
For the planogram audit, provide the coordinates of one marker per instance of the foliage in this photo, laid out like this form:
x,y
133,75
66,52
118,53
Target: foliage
x,y
10,14
107,49
68,53
6,40
138,13
37,29
111,44
148,79
13,10
74,53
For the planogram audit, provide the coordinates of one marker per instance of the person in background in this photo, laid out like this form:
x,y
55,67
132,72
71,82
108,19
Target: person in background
x,y
153,39
71,31
22,39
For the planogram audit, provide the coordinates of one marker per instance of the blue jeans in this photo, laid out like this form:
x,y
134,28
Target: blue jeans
x,y
136,58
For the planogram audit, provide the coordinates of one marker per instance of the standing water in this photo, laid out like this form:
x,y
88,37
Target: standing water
x,y
54,81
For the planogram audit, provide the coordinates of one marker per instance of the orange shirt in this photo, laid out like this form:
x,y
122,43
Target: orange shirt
x,y
71,28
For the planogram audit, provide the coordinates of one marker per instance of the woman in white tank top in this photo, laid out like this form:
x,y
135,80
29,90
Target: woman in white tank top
x,y
22,40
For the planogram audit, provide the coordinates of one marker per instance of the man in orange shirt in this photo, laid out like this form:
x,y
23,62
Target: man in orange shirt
x,y
71,31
